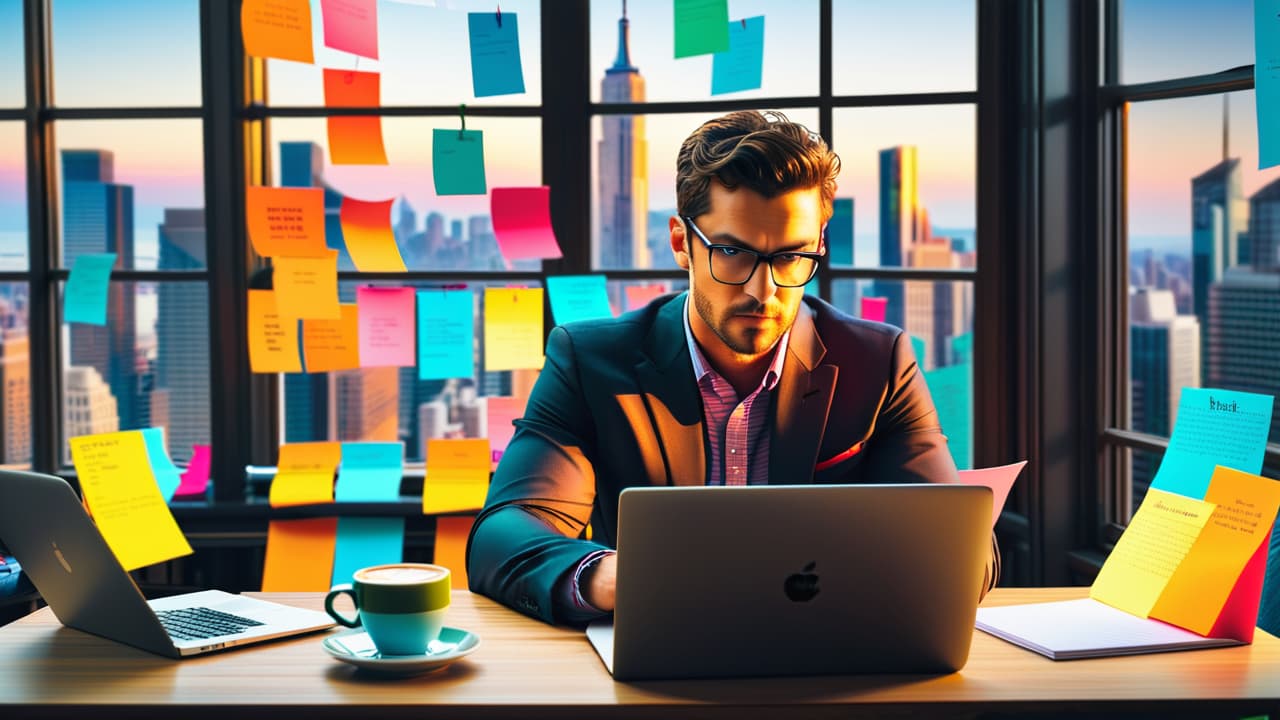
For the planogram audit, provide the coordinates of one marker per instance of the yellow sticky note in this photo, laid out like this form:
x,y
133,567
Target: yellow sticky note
x,y
451,546
121,492
306,287
457,475
512,328
299,555
1150,550
332,344
305,473
273,341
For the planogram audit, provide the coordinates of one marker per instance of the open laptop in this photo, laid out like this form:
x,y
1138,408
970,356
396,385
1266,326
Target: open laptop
x,y
795,580
44,525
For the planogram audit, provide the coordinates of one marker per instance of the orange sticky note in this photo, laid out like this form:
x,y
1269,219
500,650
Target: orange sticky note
x,y
277,28
366,228
273,341
306,287
299,555
286,221
451,546
457,475
331,345
357,139
305,473
513,328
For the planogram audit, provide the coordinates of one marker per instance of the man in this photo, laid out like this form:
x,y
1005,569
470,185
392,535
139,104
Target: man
x,y
742,380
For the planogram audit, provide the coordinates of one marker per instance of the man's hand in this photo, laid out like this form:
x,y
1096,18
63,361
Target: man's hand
x,y
599,581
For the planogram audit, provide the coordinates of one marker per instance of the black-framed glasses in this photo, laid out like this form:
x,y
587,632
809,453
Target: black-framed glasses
x,y
735,265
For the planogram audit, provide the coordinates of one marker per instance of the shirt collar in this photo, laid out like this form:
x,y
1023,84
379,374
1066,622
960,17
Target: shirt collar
x,y
701,368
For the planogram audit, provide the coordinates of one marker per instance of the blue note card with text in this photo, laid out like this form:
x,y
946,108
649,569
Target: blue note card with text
x,y
1266,79
1214,427
742,65
578,297
370,472
446,334
495,54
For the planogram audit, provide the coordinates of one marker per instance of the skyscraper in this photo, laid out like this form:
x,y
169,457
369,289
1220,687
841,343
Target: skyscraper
x,y
88,406
1219,215
902,223
15,397
622,216
1164,357
182,336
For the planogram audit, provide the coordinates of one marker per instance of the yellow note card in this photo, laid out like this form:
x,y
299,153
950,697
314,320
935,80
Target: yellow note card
x,y
121,492
273,341
331,345
512,328
1150,550
1246,507
306,287
299,555
457,475
305,473
451,546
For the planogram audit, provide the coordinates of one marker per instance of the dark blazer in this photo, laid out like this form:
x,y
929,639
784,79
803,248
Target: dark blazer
x,y
617,405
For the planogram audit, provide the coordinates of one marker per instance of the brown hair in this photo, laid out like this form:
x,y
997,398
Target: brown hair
x,y
762,151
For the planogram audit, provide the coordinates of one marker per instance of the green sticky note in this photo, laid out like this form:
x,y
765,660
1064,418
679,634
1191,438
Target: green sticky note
x,y
457,162
702,27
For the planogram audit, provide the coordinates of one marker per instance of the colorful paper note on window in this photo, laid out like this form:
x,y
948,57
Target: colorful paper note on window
x,y
88,287
874,308
640,295
306,287
386,326
1266,79
1213,427
999,479
299,555
168,476
195,479
354,139
457,162
273,341
512,328
578,297
277,29
952,390
366,228
121,492
701,27
365,541
330,345
495,54
370,472
451,546
304,473
351,26
742,65
500,415
920,348
286,221
522,223
457,475
446,334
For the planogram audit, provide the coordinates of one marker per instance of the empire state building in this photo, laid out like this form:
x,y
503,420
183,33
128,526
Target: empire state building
x,y
623,167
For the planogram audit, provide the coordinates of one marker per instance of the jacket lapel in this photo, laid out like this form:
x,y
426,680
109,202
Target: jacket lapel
x,y
801,405
671,396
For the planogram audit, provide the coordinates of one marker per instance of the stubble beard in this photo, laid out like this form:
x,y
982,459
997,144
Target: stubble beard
x,y
751,342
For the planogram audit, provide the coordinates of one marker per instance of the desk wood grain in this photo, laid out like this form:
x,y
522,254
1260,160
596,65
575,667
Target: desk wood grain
x,y
524,668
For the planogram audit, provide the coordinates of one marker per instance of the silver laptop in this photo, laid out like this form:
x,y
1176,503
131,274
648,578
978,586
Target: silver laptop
x,y
795,580
47,529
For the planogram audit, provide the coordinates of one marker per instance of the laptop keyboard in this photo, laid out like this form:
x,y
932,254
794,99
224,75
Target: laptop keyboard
x,y
201,622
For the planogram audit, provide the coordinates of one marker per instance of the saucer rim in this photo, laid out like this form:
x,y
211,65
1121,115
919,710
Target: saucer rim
x,y
400,660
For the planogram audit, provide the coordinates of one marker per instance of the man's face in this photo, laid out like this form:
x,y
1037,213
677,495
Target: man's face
x,y
747,319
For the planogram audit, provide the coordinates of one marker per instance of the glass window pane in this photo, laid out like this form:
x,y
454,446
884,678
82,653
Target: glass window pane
x,y
1164,39
147,367
15,377
630,223
904,47
434,232
13,92
653,73
135,188
628,295
138,54
13,197
909,174
424,56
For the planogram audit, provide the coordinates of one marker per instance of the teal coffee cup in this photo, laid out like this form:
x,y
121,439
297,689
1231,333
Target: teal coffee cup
x,y
402,605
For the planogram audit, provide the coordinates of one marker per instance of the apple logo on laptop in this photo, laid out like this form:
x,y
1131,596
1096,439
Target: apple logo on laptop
x,y
802,586
61,559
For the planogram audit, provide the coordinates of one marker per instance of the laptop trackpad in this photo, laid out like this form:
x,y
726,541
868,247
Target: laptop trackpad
x,y
600,633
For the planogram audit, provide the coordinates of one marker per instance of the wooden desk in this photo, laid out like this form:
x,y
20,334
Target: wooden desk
x,y
526,669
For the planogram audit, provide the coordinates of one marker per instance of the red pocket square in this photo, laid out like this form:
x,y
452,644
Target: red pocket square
x,y
839,457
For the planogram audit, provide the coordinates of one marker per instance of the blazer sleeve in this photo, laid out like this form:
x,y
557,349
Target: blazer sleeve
x,y
526,537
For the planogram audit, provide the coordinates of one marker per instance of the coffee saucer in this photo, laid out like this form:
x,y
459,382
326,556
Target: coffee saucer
x,y
357,648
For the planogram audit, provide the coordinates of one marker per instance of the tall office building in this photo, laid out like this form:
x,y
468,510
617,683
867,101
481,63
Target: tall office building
x,y
367,404
1164,357
1219,217
902,223
97,217
182,336
89,407
623,174
15,397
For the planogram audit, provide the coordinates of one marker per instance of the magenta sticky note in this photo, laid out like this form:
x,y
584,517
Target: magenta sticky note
x,y
522,222
873,308
195,480
386,318
502,411
351,25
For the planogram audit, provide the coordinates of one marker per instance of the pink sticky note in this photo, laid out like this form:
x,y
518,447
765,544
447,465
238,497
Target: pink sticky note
x,y
195,481
522,222
640,295
386,322
873,308
999,479
351,25
501,412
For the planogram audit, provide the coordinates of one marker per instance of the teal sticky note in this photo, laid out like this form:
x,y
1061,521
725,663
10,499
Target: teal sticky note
x,y
1213,427
1266,79
495,54
919,347
962,347
446,334
952,391
370,472
578,297
168,476
457,162
365,541
85,297
702,27
742,65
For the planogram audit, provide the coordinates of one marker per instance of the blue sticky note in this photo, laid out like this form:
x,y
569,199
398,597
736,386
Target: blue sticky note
x,y
370,472
457,162
168,476
495,54
1213,427
446,334
952,391
919,347
85,298
741,66
365,541
701,27
962,347
578,297
1266,79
